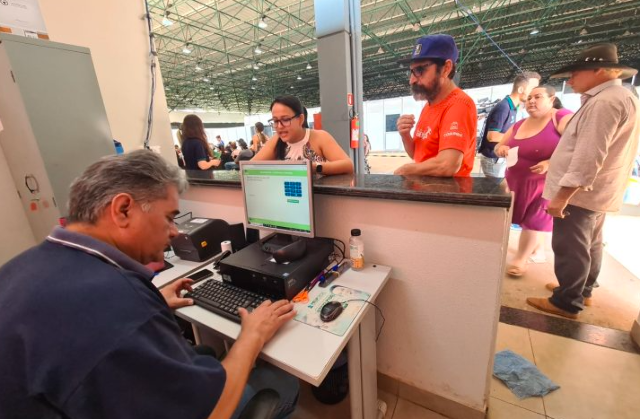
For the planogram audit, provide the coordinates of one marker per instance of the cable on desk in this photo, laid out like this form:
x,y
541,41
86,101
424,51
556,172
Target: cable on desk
x,y
182,215
377,308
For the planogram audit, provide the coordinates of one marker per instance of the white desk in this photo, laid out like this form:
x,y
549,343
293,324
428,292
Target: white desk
x,y
309,353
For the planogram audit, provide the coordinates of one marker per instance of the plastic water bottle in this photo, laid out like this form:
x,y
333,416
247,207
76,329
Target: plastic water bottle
x,y
356,250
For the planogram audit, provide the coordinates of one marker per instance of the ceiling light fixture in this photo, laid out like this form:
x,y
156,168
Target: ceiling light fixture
x,y
253,87
291,87
258,50
534,31
198,68
627,33
416,27
211,88
380,50
579,41
262,24
206,79
583,31
308,66
479,29
299,78
187,48
255,66
165,19
254,78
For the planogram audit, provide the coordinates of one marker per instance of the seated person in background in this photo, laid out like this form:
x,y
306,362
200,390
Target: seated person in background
x,y
234,149
225,157
90,336
244,154
295,141
195,148
536,138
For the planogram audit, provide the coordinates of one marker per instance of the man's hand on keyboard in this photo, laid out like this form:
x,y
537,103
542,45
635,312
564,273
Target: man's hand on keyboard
x,y
266,319
172,295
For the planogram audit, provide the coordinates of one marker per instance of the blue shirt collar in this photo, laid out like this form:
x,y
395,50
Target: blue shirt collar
x,y
511,105
99,249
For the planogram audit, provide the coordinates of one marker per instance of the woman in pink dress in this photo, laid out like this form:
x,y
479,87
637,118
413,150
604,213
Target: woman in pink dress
x,y
533,140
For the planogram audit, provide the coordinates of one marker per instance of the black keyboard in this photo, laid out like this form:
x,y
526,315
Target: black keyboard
x,y
224,299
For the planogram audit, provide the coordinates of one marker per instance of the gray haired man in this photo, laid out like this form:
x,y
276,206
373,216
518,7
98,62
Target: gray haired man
x,y
588,174
86,334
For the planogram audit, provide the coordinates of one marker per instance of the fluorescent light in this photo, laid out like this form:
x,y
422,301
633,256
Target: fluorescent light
x,y
258,50
291,87
308,66
211,88
535,31
262,24
299,78
186,49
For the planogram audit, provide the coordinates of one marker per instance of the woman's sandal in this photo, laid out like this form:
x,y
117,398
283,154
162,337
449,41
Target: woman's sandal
x,y
516,271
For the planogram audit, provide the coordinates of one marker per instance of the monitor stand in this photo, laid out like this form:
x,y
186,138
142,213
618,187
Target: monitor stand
x,y
276,241
284,247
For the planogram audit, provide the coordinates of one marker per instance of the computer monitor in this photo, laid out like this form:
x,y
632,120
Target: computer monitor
x,y
278,196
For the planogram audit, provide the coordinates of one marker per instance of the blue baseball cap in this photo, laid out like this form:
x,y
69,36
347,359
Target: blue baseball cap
x,y
439,46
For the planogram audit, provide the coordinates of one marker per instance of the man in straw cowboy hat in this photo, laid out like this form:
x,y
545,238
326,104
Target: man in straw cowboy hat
x,y
588,173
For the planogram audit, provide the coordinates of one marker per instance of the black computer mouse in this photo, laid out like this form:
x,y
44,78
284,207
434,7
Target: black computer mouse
x,y
330,311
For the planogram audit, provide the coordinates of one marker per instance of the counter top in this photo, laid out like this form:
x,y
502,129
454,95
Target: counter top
x,y
479,191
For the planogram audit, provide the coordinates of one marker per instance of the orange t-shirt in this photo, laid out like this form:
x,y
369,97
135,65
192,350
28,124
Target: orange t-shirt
x,y
449,124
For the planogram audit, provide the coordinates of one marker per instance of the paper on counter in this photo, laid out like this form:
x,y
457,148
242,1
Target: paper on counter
x,y
512,156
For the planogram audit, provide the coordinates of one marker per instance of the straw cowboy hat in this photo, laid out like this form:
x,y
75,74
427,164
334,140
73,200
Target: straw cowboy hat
x,y
597,56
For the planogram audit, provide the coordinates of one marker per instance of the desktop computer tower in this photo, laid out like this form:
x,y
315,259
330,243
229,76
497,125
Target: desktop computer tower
x,y
256,270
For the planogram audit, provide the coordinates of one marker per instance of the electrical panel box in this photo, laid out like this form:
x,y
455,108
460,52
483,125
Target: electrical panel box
x,y
54,120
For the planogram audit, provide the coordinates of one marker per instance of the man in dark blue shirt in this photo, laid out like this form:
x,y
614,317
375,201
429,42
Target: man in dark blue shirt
x,y
85,334
500,118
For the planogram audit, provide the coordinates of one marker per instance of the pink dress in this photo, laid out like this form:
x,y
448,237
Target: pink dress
x,y
529,205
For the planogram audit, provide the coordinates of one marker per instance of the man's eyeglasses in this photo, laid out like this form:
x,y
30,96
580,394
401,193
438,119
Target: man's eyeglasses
x,y
419,69
285,122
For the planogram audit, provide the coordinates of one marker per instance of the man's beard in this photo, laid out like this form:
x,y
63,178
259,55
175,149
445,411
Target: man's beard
x,y
429,93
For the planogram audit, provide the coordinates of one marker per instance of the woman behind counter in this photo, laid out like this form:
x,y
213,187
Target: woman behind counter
x,y
295,141
195,148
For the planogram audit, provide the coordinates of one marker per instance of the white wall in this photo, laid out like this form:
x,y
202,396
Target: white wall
x,y
117,36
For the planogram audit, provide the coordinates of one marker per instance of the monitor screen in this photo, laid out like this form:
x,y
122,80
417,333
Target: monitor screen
x,y
278,196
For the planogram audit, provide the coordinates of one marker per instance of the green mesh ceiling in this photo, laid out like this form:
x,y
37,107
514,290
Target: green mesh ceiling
x,y
234,64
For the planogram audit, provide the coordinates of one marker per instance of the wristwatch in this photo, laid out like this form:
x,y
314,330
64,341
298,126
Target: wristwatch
x,y
319,168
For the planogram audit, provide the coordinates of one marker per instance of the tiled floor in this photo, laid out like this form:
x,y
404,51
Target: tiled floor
x,y
616,301
595,383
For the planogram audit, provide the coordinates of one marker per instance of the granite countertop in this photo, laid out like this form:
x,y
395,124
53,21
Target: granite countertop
x,y
479,191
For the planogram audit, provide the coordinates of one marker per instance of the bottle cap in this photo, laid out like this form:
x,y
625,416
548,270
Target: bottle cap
x,y
355,232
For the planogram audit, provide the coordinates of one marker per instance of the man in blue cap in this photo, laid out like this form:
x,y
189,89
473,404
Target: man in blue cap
x,y
443,143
